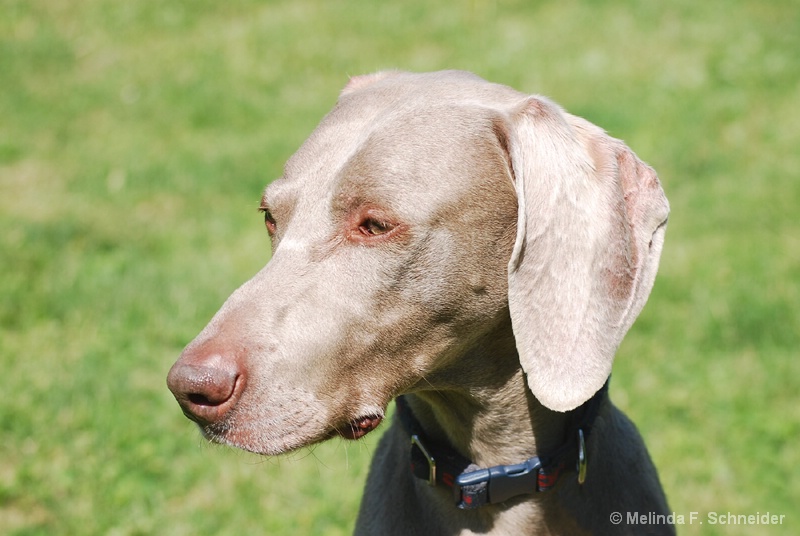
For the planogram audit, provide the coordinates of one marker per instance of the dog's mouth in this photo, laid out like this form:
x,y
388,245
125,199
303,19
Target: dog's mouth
x,y
263,436
229,434
358,428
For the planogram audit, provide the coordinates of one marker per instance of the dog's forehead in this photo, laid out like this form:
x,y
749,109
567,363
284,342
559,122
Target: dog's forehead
x,y
422,155
404,126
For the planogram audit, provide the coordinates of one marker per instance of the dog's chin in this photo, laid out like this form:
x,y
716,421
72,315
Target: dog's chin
x,y
264,443
267,443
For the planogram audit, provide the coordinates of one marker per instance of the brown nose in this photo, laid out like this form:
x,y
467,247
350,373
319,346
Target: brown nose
x,y
204,386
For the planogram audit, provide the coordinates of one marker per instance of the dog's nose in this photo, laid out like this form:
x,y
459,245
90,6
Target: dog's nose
x,y
205,387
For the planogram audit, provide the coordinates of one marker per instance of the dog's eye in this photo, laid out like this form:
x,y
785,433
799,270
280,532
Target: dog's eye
x,y
373,227
269,221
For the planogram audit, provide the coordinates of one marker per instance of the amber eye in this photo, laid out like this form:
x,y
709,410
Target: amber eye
x,y
373,227
269,221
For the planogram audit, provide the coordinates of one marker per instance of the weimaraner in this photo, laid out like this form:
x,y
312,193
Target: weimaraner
x,y
477,253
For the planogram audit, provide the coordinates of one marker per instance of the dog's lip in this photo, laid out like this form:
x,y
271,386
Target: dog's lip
x,y
230,432
359,427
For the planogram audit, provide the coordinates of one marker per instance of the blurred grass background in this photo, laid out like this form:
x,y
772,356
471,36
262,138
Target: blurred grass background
x,y
135,138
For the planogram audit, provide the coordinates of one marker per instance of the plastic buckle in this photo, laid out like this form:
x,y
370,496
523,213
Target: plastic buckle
x,y
504,481
417,442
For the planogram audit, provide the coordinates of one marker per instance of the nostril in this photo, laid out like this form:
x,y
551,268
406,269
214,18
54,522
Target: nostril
x,y
199,399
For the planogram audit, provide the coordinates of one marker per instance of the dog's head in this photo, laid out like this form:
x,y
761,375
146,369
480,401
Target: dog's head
x,y
425,214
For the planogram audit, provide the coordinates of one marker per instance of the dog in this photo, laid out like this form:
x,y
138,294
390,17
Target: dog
x,y
477,254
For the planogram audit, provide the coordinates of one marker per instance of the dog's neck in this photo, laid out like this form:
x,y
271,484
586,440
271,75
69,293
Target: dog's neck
x,y
483,408
480,406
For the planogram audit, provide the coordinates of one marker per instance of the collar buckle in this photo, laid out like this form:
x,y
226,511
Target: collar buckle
x,y
502,482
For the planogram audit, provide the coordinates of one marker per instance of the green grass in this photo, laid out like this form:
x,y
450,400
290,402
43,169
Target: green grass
x,y
135,138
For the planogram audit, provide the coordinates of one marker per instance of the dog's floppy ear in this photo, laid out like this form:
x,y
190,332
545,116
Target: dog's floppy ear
x,y
590,228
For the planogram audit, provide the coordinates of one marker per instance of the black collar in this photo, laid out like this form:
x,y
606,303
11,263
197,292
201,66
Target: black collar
x,y
473,487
